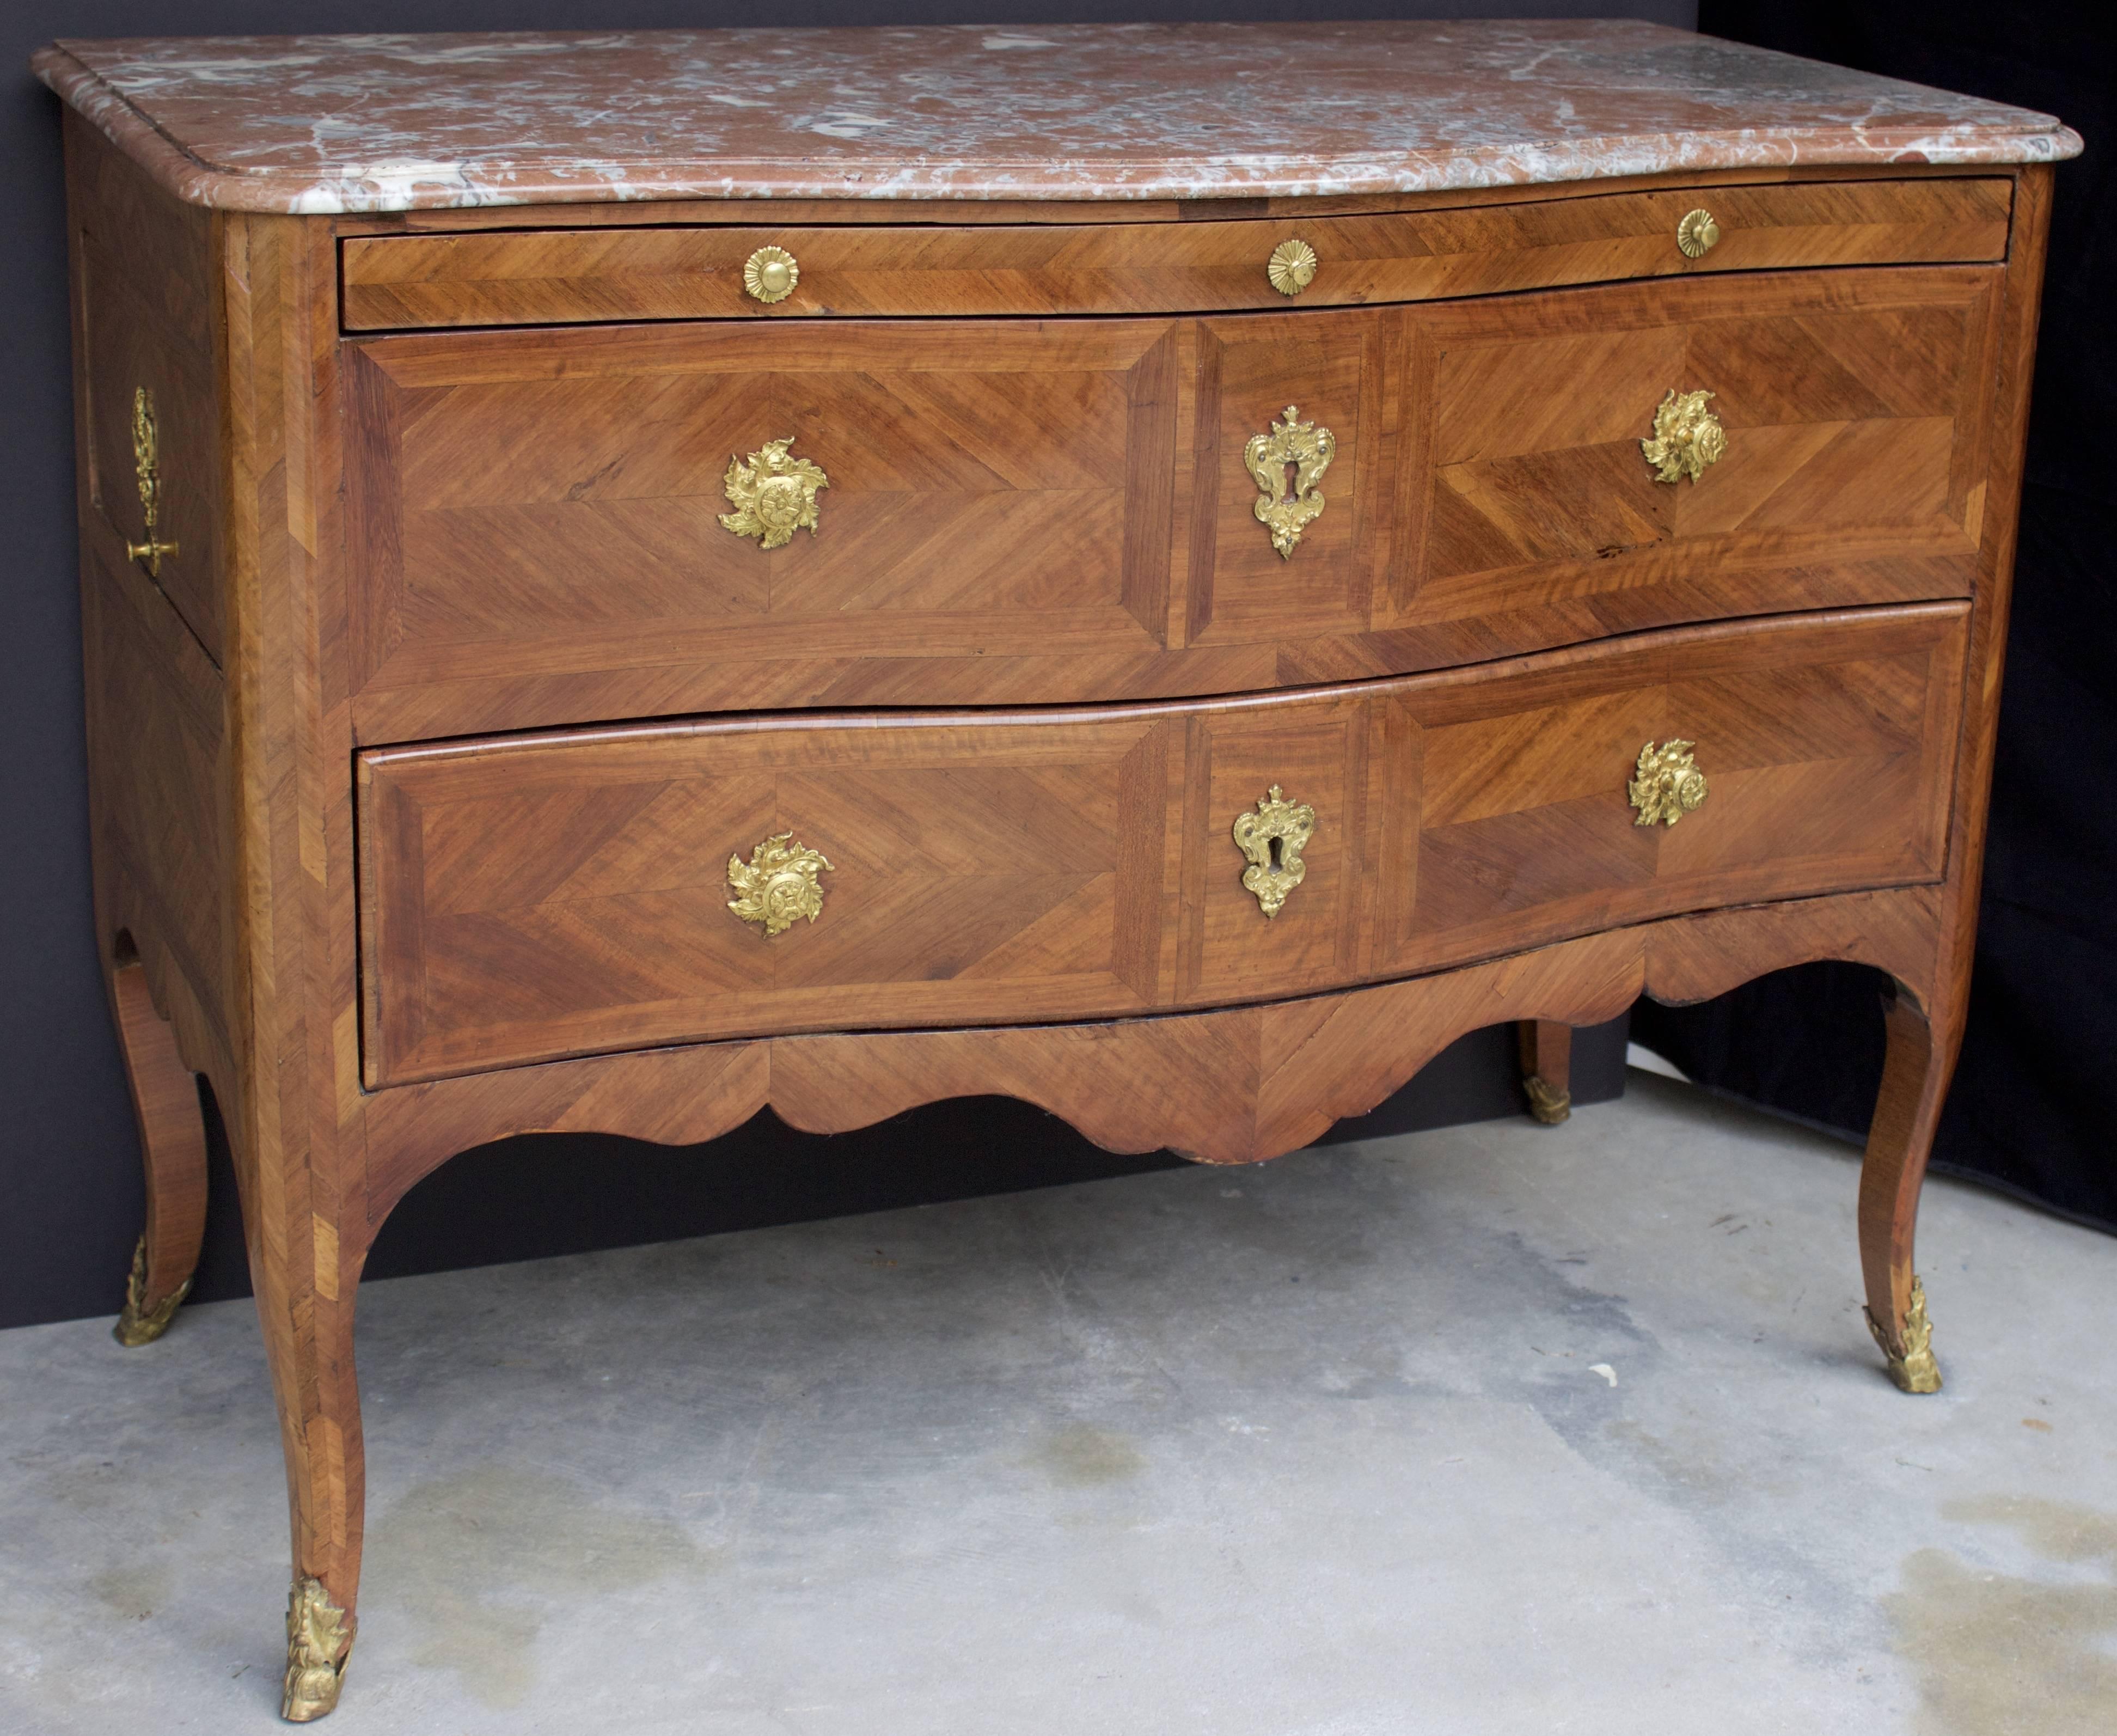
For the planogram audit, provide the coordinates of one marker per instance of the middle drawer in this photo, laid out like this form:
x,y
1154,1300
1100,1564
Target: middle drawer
x,y
542,896
552,527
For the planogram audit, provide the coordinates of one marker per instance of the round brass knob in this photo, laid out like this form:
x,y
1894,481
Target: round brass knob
x,y
1292,267
770,274
1695,234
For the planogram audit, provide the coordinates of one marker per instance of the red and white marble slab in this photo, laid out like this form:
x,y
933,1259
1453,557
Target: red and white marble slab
x,y
387,123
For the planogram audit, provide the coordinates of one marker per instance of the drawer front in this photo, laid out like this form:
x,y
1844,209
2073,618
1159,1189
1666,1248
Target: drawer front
x,y
1020,512
1855,409
539,520
541,277
542,896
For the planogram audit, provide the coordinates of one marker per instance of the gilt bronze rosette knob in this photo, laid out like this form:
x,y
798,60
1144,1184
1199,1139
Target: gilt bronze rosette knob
x,y
1686,437
778,886
773,494
1666,783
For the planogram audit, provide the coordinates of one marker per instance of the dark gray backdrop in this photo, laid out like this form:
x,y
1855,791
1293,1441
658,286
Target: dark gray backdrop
x,y
70,1189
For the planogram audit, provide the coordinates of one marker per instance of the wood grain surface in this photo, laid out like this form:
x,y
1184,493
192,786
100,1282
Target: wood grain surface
x,y
165,1104
458,533
146,314
1923,1037
1234,1085
161,795
296,1130
557,276
1031,513
545,895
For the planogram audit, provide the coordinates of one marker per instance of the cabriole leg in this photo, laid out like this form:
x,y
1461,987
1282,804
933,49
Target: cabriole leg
x,y
306,1278
309,1336
1547,1067
173,1149
1914,1081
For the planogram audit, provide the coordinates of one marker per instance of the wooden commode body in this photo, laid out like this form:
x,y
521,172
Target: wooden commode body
x,y
1047,565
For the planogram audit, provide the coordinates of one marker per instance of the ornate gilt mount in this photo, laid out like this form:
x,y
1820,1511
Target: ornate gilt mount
x,y
1292,266
139,1322
1910,1360
1287,507
1687,437
147,466
1696,232
319,1639
1272,838
769,275
778,885
774,495
1666,783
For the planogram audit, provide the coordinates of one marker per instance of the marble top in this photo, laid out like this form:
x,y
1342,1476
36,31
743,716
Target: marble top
x,y
387,123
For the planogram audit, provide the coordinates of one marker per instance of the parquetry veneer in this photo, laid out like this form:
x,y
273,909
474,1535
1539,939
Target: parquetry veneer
x,y
546,277
530,897
459,769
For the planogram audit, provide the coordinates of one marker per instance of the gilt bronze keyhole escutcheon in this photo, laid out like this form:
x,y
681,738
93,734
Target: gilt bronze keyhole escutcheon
x,y
1287,465
1272,838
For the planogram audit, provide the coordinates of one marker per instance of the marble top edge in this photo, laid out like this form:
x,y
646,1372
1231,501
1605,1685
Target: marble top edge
x,y
330,124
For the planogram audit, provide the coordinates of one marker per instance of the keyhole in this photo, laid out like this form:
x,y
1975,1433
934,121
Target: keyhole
x,y
1274,855
1292,495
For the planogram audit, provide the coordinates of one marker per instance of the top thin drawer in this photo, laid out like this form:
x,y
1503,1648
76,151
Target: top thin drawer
x,y
540,277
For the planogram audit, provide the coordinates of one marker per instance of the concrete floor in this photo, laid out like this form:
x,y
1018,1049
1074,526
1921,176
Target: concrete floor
x,y
1496,1429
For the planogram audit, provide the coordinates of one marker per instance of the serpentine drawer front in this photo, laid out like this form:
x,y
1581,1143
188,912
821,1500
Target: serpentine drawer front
x,y
1166,572
548,895
1029,512
552,276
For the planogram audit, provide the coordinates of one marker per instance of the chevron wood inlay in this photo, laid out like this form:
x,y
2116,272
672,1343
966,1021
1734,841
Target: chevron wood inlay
x,y
147,272
558,276
1231,1086
416,775
542,511
1017,517
550,895
158,718
1855,414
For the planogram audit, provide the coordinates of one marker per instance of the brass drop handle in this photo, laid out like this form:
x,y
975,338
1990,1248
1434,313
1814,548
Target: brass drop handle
x,y
1666,783
1696,233
773,494
1686,437
1292,266
778,885
146,465
769,275
1271,837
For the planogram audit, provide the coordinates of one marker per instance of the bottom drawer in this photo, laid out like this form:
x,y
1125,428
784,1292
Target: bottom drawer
x,y
539,896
